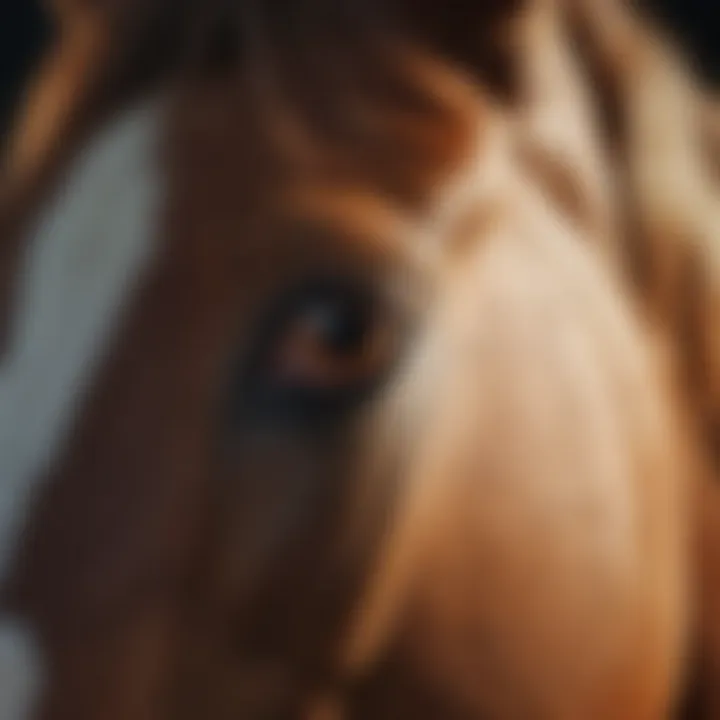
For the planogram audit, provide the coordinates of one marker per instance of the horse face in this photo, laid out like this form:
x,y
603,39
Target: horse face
x,y
373,421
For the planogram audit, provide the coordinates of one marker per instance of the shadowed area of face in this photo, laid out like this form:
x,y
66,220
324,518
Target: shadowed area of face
x,y
375,419
187,430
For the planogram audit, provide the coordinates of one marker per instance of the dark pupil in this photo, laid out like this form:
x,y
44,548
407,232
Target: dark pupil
x,y
341,327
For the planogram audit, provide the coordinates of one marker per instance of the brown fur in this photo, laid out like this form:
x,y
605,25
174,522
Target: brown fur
x,y
164,591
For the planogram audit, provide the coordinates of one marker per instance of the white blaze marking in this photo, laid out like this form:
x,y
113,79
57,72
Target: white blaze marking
x,y
20,672
89,248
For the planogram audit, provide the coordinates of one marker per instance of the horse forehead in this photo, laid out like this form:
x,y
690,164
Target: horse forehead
x,y
88,250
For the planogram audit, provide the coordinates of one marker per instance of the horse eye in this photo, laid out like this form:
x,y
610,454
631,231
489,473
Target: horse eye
x,y
325,347
332,341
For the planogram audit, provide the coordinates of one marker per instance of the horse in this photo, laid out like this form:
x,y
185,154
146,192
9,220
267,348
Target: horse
x,y
359,360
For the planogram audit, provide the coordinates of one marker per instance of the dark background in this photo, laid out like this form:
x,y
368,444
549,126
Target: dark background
x,y
23,32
